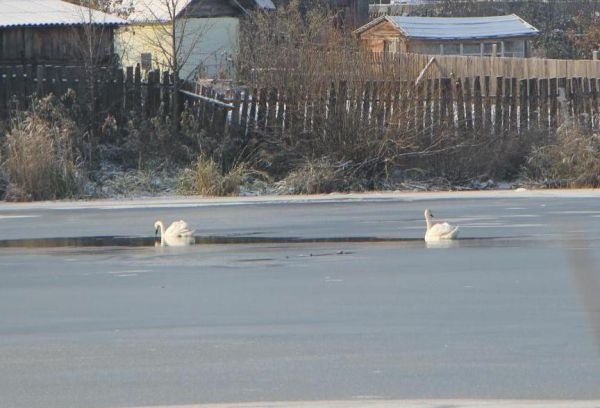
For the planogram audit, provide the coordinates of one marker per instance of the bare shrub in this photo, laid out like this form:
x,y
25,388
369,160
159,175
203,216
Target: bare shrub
x,y
208,178
460,157
572,160
314,177
40,159
152,139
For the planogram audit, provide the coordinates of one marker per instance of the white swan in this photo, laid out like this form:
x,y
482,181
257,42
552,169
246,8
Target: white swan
x,y
438,232
178,233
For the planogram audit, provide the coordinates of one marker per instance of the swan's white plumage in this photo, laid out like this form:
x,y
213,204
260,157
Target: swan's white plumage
x,y
178,233
179,229
438,232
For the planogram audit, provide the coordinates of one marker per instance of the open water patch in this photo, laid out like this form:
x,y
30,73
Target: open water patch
x,y
137,241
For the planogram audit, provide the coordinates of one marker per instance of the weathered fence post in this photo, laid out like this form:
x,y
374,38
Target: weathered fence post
x,y
543,103
553,94
514,125
487,124
468,104
498,106
523,108
533,103
563,100
478,120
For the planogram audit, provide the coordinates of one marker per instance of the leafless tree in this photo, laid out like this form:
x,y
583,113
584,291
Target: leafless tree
x,y
93,45
176,40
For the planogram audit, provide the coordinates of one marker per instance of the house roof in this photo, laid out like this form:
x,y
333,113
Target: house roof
x,y
150,11
32,13
156,10
457,28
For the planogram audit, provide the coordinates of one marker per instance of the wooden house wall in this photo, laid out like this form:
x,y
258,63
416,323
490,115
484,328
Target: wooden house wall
x,y
374,39
375,36
52,45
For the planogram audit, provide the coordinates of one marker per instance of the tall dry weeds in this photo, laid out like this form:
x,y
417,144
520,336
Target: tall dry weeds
x,y
40,160
208,178
572,160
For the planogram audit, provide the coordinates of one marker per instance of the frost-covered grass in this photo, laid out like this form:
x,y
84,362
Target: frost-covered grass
x,y
115,182
571,160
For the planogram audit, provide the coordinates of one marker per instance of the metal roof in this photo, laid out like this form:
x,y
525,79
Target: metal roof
x,y
265,4
32,13
458,28
150,11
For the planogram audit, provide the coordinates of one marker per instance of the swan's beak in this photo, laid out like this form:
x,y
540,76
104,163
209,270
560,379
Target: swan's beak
x,y
155,232
431,214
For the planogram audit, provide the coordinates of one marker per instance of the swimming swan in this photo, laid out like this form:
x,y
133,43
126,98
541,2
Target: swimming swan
x,y
438,232
177,234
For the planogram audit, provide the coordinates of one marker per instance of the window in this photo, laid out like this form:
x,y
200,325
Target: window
x,y
472,49
424,48
451,49
146,61
514,48
390,45
488,49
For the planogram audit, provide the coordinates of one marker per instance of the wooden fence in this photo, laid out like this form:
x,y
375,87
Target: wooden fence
x,y
106,90
472,66
350,65
480,105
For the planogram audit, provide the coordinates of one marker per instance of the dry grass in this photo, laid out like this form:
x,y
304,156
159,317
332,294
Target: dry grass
x,y
39,160
573,160
207,178
314,177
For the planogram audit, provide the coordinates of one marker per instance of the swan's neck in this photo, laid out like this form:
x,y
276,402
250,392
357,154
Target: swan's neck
x,y
161,226
428,221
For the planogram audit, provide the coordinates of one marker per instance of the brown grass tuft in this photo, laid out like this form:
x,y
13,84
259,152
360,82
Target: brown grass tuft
x,y
206,178
573,160
39,160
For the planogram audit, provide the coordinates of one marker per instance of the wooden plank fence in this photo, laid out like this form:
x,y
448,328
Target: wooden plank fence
x,y
109,91
469,106
472,66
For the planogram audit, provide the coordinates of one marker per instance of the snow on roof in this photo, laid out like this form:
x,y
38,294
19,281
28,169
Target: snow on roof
x,y
30,13
458,28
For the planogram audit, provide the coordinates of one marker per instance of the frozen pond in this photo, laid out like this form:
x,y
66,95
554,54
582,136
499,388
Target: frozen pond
x,y
300,301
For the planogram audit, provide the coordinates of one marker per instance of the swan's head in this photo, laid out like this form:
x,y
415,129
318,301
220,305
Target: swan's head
x,y
156,228
428,213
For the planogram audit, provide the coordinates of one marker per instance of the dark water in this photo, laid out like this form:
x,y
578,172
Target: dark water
x,y
136,241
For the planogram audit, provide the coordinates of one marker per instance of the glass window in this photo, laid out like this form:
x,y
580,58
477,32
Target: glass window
x,y
390,45
451,49
425,48
472,49
514,48
488,49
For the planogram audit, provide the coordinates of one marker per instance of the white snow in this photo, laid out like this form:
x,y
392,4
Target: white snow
x,y
196,201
